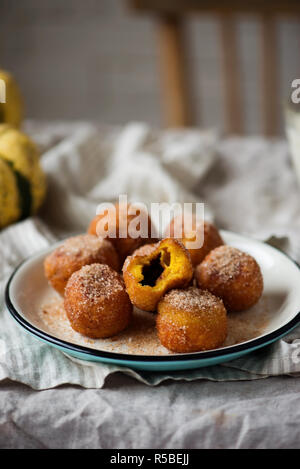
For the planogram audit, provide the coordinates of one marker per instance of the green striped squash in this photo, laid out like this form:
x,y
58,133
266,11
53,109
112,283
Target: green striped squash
x,y
22,181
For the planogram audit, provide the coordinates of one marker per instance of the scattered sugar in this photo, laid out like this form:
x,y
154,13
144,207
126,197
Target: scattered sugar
x,y
140,338
249,324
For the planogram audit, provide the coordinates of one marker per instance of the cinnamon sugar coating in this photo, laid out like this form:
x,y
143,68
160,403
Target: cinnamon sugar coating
x,y
73,254
96,301
231,275
191,320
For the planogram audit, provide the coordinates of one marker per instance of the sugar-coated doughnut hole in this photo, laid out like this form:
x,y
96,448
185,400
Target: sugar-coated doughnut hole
x,y
231,275
188,232
191,320
115,220
96,301
73,254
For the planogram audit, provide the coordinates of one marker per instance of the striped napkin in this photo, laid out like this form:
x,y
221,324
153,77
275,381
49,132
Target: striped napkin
x,y
70,204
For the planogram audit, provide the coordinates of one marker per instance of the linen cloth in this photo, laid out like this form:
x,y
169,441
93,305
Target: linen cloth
x,y
247,185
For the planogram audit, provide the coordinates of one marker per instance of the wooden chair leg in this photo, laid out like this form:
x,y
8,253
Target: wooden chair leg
x,y
231,76
269,80
173,71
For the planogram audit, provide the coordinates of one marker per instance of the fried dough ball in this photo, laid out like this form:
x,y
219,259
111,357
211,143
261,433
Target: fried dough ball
x,y
231,275
154,269
73,254
96,301
117,219
211,236
191,320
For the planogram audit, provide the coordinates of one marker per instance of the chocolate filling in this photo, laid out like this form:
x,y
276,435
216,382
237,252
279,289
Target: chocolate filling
x,y
152,272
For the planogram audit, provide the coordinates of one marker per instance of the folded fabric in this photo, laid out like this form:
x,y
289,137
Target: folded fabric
x,y
89,166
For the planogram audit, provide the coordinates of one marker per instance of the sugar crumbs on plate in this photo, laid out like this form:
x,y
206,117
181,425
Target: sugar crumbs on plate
x,y
140,338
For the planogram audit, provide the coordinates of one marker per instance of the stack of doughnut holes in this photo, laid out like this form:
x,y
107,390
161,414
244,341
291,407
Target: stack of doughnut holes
x,y
192,291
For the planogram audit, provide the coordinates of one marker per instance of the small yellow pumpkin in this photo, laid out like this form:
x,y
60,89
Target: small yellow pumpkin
x,y
11,111
22,181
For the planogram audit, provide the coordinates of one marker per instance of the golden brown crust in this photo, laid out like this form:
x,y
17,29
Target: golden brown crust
x,y
96,301
154,269
231,275
191,320
211,235
124,245
73,254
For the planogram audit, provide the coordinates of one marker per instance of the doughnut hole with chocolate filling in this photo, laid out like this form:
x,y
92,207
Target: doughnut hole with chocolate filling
x,y
154,269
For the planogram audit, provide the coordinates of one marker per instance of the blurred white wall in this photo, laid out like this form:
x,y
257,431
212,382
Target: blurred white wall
x,y
95,59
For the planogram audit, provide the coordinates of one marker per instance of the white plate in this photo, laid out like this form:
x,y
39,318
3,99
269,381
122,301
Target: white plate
x,y
28,295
